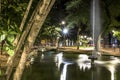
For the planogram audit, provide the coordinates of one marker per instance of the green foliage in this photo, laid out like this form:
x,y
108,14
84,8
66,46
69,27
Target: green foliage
x,y
51,32
78,12
10,50
110,14
11,15
1,72
73,4
117,34
9,37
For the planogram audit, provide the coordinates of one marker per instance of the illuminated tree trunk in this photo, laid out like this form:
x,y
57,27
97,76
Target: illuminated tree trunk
x,y
42,12
23,21
97,43
11,59
21,26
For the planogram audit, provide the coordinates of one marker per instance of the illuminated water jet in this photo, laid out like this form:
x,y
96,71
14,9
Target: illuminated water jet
x,y
96,25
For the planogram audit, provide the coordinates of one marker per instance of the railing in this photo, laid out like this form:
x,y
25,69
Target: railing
x,y
115,48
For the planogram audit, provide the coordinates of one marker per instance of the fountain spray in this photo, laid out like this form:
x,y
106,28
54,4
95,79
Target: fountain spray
x,y
96,26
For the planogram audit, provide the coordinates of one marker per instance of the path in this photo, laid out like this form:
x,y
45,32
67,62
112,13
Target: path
x,y
108,51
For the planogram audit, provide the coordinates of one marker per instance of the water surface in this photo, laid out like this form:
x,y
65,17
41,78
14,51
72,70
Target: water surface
x,y
62,66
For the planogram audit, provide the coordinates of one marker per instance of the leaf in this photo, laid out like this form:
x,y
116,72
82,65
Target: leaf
x,y
10,52
8,22
2,37
10,38
9,43
0,72
7,48
13,32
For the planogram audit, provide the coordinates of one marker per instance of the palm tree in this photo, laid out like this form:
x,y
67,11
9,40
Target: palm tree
x,y
78,15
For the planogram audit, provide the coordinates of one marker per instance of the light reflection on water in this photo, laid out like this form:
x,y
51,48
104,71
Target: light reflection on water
x,y
59,59
110,65
83,62
64,71
59,67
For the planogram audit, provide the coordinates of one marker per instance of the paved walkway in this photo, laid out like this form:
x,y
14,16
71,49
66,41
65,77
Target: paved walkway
x,y
111,51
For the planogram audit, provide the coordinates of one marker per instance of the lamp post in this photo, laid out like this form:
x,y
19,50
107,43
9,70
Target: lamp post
x,y
64,31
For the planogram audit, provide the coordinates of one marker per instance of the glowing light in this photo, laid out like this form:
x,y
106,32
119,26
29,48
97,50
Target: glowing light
x,y
63,22
59,59
110,65
64,71
65,30
113,31
83,62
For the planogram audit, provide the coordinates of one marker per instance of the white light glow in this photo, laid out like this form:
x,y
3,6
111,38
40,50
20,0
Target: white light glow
x,y
64,71
63,22
59,59
110,65
83,62
65,30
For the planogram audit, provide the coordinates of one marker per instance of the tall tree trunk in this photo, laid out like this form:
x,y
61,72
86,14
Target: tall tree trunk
x,y
19,45
21,27
39,19
57,42
78,37
99,42
23,21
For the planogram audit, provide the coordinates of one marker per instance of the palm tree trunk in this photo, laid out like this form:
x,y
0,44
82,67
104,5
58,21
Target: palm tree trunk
x,y
39,19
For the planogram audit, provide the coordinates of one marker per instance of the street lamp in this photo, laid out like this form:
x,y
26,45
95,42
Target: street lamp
x,y
63,22
65,30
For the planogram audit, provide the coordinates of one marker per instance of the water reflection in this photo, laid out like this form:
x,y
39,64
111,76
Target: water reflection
x,y
110,65
64,71
42,57
83,62
73,67
59,59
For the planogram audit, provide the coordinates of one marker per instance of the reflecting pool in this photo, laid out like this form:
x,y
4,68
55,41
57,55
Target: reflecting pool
x,y
71,66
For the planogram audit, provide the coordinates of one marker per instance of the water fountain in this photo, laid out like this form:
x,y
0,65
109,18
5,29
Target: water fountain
x,y
47,69
96,24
